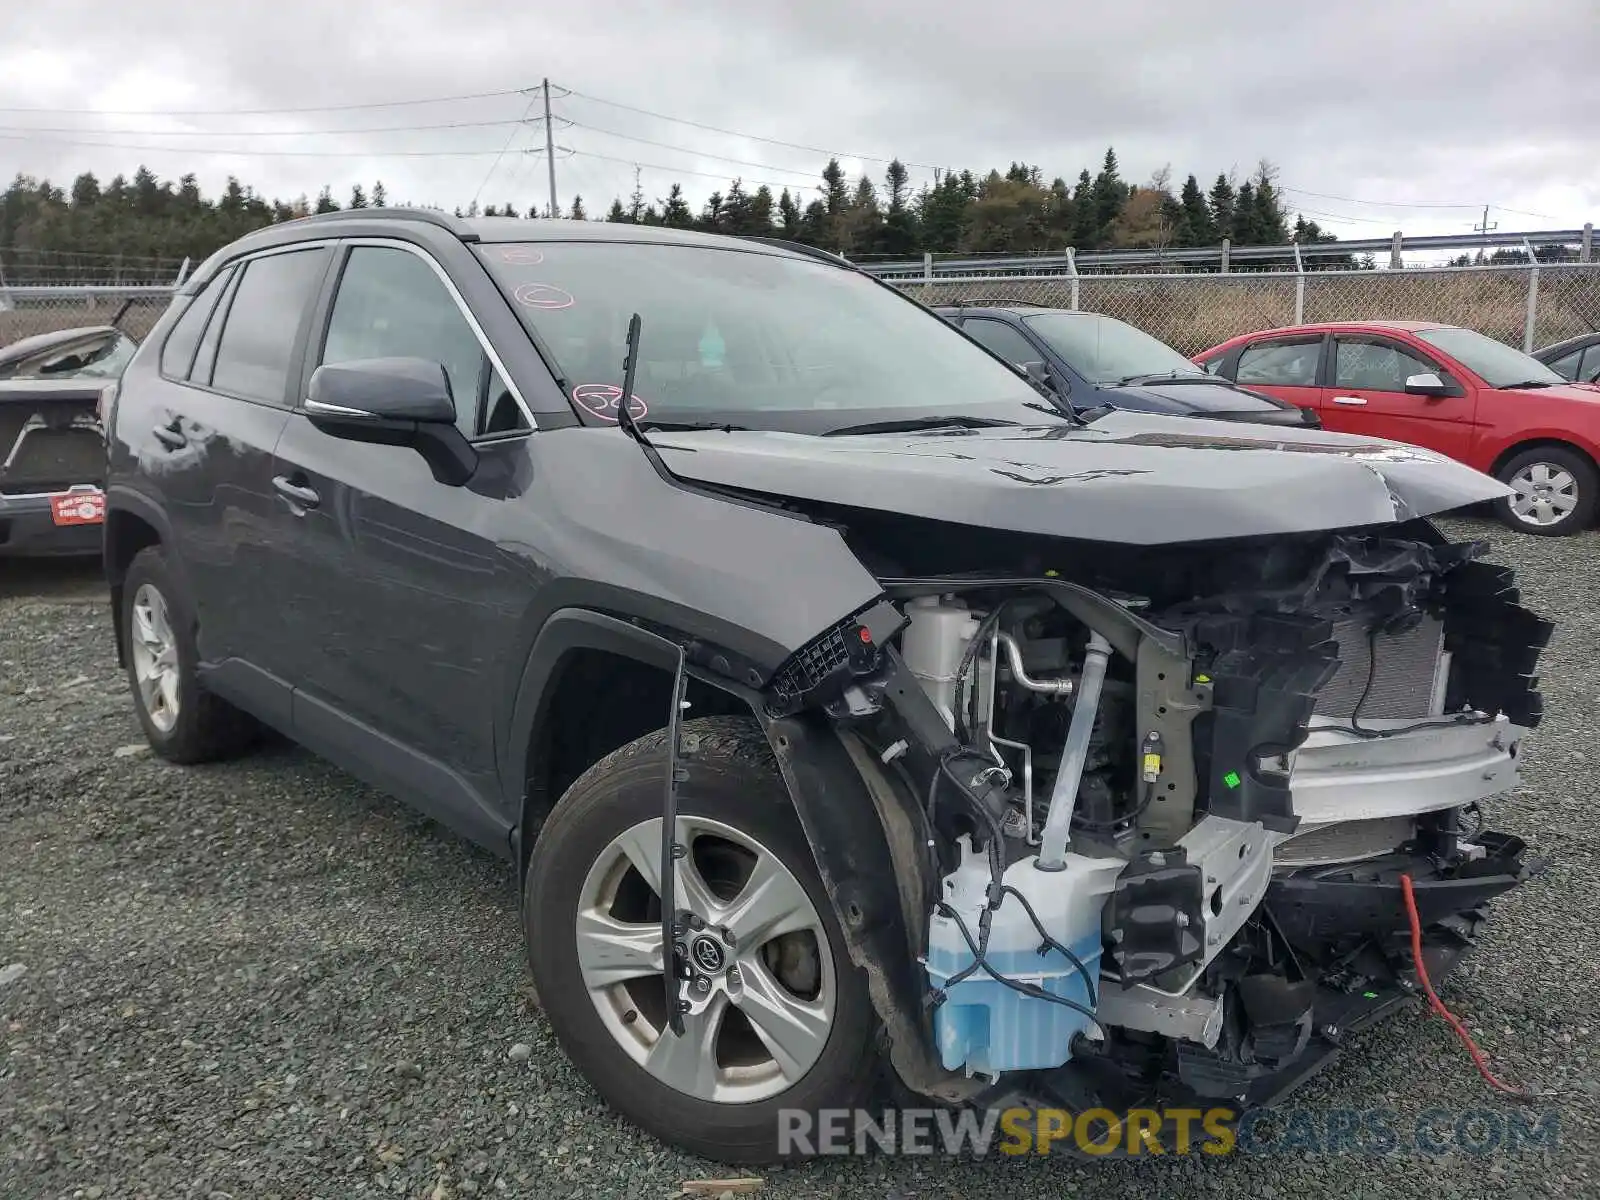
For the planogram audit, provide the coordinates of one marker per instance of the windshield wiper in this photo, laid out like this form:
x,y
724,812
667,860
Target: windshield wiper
x,y
1165,377
919,424
1527,383
686,426
1065,411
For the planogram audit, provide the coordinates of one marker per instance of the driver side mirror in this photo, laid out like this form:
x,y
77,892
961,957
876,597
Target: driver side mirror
x,y
1428,384
393,402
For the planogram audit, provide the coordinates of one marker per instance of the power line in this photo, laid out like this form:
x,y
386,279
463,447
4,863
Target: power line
x,y
263,112
495,165
629,162
751,137
743,162
1413,204
245,153
31,130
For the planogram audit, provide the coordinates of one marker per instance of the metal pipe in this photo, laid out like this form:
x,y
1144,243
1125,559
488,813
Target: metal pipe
x,y
996,741
1051,687
1064,796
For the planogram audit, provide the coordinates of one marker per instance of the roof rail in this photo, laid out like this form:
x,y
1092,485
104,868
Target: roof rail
x,y
430,216
837,260
1005,300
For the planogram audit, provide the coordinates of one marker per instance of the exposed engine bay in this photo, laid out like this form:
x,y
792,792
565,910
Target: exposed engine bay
x,y
1167,795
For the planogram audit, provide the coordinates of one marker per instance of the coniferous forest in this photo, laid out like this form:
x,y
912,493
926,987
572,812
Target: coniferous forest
x,y
133,227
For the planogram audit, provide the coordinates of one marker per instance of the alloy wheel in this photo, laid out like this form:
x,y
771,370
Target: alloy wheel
x,y
762,997
154,647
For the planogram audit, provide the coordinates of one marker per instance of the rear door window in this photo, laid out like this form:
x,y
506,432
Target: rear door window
x,y
1589,371
1287,362
263,322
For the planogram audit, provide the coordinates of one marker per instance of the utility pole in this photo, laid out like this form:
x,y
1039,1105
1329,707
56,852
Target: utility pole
x,y
1485,228
550,149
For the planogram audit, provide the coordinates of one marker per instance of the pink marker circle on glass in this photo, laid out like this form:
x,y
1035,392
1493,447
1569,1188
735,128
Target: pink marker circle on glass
x,y
601,400
544,295
524,256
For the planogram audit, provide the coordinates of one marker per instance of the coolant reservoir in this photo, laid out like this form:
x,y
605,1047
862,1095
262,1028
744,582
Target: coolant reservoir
x,y
984,1027
933,644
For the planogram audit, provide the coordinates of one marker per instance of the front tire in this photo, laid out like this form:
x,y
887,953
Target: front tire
x,y
784,1021
182,721
1556,491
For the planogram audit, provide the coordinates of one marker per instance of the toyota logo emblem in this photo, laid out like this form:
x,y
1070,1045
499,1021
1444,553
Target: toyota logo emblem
x,y
707,954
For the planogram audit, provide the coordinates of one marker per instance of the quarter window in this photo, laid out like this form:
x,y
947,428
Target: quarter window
x,y
253,357
177,354
1280,363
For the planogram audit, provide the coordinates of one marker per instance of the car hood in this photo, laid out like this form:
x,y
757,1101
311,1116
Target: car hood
x,y
1128,477
1583,393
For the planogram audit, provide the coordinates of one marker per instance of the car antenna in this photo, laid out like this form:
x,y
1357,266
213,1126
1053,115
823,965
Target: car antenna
x,y
630,367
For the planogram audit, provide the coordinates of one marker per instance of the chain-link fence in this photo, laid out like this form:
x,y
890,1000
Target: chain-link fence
x,y
1519,305
1526,306
26,311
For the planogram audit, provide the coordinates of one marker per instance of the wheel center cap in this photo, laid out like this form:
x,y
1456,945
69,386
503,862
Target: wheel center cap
x,y
708,953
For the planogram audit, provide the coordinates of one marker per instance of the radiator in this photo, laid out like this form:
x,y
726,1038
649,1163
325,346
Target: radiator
x,y
1408,681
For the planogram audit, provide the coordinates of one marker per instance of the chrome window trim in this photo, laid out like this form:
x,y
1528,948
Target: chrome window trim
x,y
466,313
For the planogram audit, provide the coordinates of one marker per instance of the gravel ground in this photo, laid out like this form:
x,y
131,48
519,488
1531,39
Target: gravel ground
x,y
262,978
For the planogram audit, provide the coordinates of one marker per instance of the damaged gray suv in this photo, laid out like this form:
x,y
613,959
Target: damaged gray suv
x,y
852,716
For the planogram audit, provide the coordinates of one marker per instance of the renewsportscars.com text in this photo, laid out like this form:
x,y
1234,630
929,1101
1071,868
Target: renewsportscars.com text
x,y
1017,1132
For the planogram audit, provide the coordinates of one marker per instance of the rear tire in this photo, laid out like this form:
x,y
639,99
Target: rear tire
x,y
798,990
1557,491
182,721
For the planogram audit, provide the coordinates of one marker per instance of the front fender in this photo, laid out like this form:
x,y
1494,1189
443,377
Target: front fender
x,y
867,836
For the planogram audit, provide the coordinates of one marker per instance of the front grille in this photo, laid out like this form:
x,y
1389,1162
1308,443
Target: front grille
x,y
1402,684
49,446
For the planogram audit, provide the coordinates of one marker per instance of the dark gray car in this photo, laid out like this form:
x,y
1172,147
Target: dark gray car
x,y
842,706
53,387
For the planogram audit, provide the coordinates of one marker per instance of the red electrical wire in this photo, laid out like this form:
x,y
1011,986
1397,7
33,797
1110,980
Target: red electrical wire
x,y
1479,1059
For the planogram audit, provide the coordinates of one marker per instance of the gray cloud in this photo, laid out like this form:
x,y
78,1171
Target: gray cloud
x,y
1420,103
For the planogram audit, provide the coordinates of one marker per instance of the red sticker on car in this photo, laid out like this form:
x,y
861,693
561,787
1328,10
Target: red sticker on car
x,y
544,295
522,256
601,400
78,508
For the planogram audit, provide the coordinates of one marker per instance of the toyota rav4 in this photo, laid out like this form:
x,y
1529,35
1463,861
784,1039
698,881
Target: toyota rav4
x,y
848,713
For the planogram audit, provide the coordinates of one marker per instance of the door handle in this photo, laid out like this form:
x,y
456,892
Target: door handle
x,y
170,436
296,493
1350,401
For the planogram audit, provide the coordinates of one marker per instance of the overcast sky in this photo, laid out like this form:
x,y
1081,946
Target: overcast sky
x,y
1389,105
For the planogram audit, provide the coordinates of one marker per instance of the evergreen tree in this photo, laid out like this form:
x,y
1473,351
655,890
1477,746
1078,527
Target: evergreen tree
x,y
1244,215
358,198
618,213
788,215
1197,228
326,202
1109,195
577,213
380,197
675,209
1222,205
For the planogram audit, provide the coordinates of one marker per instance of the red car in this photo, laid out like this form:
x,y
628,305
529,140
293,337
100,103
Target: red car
x,y
1444,388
